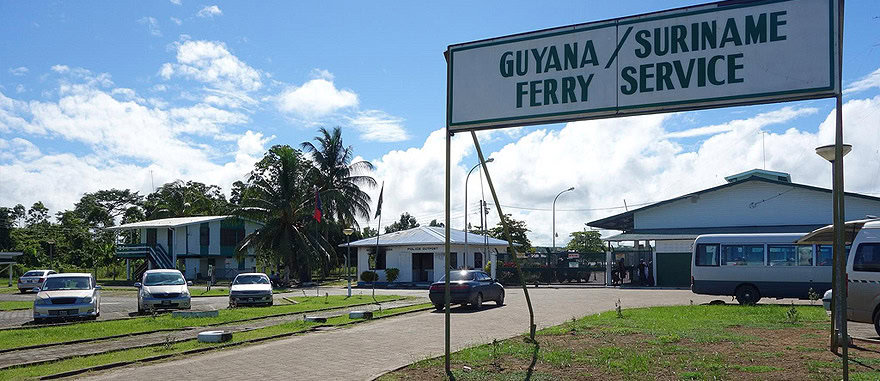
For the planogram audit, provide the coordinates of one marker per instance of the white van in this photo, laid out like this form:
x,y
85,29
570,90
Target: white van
x,y
862,268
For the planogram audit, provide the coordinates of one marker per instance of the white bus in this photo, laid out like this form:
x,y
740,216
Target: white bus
x,y
752,266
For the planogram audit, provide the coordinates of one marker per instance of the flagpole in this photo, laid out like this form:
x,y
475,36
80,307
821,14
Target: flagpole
x,y
379,214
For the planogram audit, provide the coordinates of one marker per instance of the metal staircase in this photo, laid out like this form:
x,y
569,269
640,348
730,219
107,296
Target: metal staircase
x,y
155,255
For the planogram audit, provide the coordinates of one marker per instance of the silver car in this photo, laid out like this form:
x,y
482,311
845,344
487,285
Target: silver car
x,y
32,279
250,288
163,290
64,296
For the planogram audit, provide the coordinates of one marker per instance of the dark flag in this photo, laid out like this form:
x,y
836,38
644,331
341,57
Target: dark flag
x,y
379,205
318,211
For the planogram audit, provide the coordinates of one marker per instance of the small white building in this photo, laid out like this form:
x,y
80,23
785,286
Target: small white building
x,y
195,241
420,253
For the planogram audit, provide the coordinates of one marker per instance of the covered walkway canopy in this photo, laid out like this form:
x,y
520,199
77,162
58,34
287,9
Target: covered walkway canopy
x,y
8,259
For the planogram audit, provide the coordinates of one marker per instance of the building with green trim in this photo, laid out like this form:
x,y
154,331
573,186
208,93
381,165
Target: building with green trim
x,y
190,244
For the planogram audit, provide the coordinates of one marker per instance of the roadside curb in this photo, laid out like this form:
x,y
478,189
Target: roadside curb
x,y
7,350
223,346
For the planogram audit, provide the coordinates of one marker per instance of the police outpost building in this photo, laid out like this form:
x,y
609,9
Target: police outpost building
x,y
756,201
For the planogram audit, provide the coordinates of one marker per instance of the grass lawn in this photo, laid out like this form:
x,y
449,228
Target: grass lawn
x,y
15,305
4,289
686,342
36,371
90,330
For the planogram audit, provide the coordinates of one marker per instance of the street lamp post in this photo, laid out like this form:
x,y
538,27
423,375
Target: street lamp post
x,y
468,177
838,281
347,232
554,215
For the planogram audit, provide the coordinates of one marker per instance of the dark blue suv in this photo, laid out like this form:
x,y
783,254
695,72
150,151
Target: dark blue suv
x,y
467,287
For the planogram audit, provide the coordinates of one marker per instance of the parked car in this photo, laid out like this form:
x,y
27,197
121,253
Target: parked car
x,y
164,289
70,295
250,288
863,276
467,287
32,279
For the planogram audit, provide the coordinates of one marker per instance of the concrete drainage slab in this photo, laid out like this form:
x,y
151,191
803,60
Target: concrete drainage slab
x,y
214,336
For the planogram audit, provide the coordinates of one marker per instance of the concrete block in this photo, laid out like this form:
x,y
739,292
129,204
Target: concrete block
x,y
360,315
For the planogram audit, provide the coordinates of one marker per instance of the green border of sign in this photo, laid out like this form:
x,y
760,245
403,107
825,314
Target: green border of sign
x,y
597,113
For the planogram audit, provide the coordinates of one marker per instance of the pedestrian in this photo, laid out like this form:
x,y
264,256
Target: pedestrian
x,y
643,275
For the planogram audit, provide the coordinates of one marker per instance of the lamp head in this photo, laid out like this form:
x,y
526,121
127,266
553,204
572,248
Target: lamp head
x,y
570,189
489,160
827,152
347,231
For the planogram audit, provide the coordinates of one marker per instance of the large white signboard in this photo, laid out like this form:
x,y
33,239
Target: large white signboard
x,y
691,58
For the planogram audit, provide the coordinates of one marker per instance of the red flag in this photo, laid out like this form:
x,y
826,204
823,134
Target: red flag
x,y
318,211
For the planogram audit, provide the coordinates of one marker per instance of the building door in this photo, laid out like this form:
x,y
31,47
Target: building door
x,y
170,235
151,236
673,269
422,267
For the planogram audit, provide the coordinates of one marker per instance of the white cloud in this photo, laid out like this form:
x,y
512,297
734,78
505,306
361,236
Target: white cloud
x,y
60,68
19,71
612,160
177,21
212,63
19,88
315,98
764,119
125,140
175,2
376,125
209,11
152,25
869,81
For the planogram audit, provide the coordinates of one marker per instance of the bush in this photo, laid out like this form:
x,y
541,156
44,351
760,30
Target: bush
x,y
488,267
391,274
369,276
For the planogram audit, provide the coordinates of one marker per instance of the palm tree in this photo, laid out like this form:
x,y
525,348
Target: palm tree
x,y
279,194
183,199
338,179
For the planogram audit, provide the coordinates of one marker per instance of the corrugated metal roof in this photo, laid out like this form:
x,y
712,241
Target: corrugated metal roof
x,y
425,235
169,222
648,237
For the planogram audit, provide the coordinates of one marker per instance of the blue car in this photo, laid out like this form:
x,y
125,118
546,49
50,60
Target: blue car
x,y
467,287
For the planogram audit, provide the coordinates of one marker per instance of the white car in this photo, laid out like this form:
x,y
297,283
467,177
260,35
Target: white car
x,y
250,288
67,295
32,279
164,289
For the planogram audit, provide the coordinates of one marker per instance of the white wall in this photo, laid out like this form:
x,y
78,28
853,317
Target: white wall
x,y
401,258
741,205
674,246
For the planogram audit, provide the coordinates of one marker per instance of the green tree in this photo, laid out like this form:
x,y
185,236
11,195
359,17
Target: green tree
x,y
405,222
101,209
518,232
181,199
436,224
369,232
279,194
338,179
585,242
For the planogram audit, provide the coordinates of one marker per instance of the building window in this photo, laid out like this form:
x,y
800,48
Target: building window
x,y
867,257
707,255
478,261
204,234
151,236
377,262
453,261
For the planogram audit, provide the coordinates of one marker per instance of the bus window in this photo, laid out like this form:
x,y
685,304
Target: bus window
x,y
782,255
805,255
867,257
824,255
707,255
742,255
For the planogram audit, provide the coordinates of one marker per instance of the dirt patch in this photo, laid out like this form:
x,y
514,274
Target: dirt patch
x,y
795,353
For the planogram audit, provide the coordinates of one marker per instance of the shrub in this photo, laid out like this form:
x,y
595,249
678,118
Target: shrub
x,y
369,276
488,267
391,274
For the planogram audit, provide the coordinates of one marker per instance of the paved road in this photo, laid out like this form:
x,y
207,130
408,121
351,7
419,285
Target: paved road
x,y
116,304
368,350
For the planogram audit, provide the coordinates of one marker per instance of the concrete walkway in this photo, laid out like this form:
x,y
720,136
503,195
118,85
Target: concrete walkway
x,y
366,351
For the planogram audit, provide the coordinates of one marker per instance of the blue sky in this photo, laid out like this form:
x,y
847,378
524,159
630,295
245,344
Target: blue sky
x,y
105,94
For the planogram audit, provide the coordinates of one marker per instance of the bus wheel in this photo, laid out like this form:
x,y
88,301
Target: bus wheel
x,y
747,295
